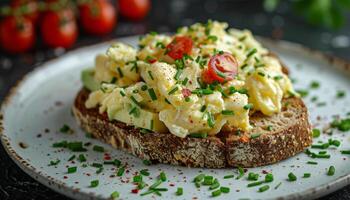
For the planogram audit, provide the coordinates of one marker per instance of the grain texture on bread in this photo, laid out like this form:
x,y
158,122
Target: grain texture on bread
x,y
290,135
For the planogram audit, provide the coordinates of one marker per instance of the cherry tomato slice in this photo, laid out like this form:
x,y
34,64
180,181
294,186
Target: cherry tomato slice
x,y
222,67
179,47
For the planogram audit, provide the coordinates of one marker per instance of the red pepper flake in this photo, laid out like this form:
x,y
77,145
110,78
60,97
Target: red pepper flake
x,y
264,171
135,191
172,184
190,82
186,92
65,177
152,60
127,171
88,174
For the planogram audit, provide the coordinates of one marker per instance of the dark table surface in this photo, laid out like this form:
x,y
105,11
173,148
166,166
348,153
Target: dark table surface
x,y
166,16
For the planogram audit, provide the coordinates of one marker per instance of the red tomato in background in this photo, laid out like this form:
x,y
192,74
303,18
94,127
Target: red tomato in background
x,y
221,68
98,17
180,46
59,29
134,9
16,34
30,7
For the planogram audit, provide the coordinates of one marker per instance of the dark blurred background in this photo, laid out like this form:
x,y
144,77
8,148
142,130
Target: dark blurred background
x,y
318,24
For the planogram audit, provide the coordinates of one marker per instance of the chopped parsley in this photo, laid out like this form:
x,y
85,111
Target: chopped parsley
x,y
94,183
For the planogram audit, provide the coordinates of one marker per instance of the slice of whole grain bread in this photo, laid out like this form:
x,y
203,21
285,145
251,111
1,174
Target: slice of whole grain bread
x,y
274,138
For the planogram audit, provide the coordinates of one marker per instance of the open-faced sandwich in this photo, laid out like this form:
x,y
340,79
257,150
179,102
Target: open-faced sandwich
x,y
204,97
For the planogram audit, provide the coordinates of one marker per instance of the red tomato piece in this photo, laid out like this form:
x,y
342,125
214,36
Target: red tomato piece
x,y
98,17
180,46
59,29
17,34
222,67
134,9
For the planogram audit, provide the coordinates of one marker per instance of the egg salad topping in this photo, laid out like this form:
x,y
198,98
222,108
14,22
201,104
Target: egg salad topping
x,y
204,79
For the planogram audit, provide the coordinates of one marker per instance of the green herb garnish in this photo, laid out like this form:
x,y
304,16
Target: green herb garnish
x,y
71,170
264,188
94,183
331,171
291,177
98,148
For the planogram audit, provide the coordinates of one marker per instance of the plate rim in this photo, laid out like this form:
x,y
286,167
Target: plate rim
x,y
74,192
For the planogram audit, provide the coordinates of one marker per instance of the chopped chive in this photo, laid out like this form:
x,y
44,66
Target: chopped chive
x,y
340,94
122,93
147,192
72,170
269,178
264,188
261,74
162,176
115,162
255,135
211,120
115,195
65,129
144,172
63,144
334,142
277,78
216,193
345,152
278,185
291,177
120,72
316,133
98,148
302,93
331,171
199,178
214,186
94,183
179,191
227,112
322,152
141,185
253,176
156,184
225,189
137,179
150,75
97,165
152,94
229,176
99,170
134,111
208,180
160,189
71,158
54,162
255,183
120,171
251,52
320,155
178,73
76,146
172,91
320,146
241,173
248,106
312,163
314,84
146,162
198,184
307,175
134,100
203,108
184,82
198,135
144,87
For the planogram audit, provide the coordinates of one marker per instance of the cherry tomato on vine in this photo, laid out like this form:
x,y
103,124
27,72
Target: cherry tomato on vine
x,y
28,8
59,29
222,67
180,46
98,17
17,34
134,9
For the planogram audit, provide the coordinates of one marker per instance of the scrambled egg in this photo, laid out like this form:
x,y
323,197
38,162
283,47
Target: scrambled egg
x,y
150,81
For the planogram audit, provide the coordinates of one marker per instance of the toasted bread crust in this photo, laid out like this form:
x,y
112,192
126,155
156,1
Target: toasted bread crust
x,y
226,150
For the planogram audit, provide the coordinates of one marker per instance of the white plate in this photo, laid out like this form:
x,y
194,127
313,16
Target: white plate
x,y
43,99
